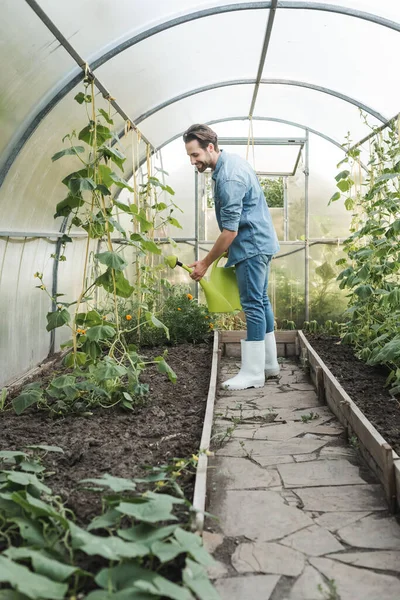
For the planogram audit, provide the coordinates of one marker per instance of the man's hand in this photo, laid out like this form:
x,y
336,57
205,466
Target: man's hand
x,y
199,269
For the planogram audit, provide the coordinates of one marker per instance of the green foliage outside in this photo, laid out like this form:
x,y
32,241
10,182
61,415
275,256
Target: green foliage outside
x,y
273,191
125,552
371,272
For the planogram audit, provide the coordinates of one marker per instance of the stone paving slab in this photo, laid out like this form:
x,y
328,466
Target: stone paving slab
x,y
281,432
246,588
320,473
241,473
335,520
267,558
313,541
258,515
372,532
384,560
259,449
352,583
346,497
310,586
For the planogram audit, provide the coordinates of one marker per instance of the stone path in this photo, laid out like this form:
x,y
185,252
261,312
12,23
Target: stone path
x,y
299,517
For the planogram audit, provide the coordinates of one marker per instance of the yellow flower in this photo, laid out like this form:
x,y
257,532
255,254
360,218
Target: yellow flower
x,y
206,317
190,297
83,331
104,318
176,473
160,484
195,457
78,330
209,453
211,326
42,287
128,317
179,309
180,463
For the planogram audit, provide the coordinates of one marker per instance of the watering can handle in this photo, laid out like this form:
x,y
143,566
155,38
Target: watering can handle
x,y
216,261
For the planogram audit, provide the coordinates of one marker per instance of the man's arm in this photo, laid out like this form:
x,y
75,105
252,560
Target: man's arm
x,y
222,244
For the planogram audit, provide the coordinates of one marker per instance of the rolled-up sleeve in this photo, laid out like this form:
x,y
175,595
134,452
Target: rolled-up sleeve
x,y
231,194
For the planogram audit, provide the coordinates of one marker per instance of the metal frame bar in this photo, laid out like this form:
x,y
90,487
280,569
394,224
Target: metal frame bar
x,y
297,159
375,131
268,32
306,231
285,211
74,77
284,141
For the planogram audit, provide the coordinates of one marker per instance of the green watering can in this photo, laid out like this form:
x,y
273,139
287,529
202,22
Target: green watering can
x,y
221,291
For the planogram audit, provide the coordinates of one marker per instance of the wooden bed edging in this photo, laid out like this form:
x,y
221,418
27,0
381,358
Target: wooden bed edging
x,y
200,486
373,447
285,343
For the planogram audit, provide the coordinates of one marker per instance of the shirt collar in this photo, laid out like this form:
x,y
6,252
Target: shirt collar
x,y
220,161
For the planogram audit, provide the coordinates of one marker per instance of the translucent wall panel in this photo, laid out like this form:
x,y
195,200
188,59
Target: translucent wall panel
x,y
115,22
286,284
275,160
32,64
384,8
296,204
178,60
224,102
33,185
327,301
337,52
24,341
319,111
325,221
261,128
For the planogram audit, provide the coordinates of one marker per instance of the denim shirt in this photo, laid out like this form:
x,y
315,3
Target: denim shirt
x,y
240,206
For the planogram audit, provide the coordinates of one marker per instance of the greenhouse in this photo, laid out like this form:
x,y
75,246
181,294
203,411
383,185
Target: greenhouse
x,y
167,429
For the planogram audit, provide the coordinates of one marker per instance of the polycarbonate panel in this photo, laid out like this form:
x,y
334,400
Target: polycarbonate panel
x,y
388,9
261,128
24,341
179,60
176,118
275,160
326,301
336,51
331,221
33,187
32,64
115,22
286,284
320,111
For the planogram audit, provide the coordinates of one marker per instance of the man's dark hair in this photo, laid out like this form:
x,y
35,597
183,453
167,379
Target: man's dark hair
x,y
203,134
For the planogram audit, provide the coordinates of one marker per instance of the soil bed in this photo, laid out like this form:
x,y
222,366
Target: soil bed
x,y
364,384
168,425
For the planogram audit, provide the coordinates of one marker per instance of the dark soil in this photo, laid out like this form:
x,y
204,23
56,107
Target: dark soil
x,y
168,425
364,384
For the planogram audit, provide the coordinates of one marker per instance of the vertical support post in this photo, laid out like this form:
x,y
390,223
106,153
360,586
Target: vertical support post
x,y
54,287
196,223
285,211
306,231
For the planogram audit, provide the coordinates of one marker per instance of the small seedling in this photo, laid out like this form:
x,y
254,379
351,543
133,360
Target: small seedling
x,y
312,415
331,593
353,441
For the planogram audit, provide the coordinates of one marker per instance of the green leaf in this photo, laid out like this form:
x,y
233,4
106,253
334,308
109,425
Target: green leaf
x,y
81,184
42,564
336,196
150,508
108,519
112,548
174,222
146,534
34,586
11,455
344,185
364,291
166,551
63,386
92,349
89,319
386,177
107,369
74,150
152,320
102,134
342,175
130,574
145,243
115,155
31,467
116,484
123,287
103,189
27,479
26,399
163,367
75,359
124,207
195,577
127,594
29,529
193,545
57,318
112,259
100,332
81,98
106,116
12,595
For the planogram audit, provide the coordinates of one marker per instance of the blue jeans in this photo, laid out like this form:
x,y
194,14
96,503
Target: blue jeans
x,y
252,277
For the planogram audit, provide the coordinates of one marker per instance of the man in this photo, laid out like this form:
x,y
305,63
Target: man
x,y
248,234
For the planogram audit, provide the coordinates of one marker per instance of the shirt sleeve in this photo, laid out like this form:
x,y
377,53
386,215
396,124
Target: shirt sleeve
x,y
231,194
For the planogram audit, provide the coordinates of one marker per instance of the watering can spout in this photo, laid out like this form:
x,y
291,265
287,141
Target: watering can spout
x,y
221,291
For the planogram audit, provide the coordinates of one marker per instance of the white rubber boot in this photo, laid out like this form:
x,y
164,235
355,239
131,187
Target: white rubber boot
x,y
271,361
251,372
